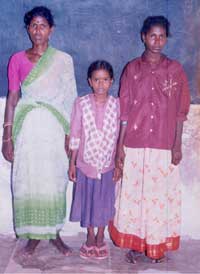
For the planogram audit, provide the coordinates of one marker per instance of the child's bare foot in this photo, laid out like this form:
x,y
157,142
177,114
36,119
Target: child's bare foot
x,y
61,246
30,247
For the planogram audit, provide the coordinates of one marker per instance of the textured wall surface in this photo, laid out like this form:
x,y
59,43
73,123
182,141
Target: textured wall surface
x,y
190,176
109,29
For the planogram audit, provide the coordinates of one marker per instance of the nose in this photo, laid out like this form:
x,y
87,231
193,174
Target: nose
x,y
37,29
101,82
157,40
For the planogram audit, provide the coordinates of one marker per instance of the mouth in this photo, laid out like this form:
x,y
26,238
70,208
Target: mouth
x,y
157,49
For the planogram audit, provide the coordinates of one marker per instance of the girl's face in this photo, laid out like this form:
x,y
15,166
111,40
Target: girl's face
x,y
100,82
39,30
155,39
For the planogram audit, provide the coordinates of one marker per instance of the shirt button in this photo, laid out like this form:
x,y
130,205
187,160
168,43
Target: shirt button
x,y
152,103
152,88
152,116
151,130
153,72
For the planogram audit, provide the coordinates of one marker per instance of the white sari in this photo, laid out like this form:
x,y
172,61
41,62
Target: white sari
x,y
40,161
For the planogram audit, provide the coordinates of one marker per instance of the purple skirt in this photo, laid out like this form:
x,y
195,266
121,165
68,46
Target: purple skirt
x,y
93,200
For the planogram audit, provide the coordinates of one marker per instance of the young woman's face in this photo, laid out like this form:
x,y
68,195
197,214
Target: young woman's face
x,y
155,39
39,30
100,82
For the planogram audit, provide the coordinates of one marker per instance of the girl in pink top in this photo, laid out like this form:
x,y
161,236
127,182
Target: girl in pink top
x,y
93,137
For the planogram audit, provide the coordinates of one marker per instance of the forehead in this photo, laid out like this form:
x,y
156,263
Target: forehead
x,y
157,28
39,20
100,73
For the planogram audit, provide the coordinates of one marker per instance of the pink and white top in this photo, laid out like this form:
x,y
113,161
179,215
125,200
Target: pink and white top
x,y
18,68
94,132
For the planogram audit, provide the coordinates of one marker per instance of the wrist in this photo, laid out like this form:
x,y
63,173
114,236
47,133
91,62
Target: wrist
x,y
7,140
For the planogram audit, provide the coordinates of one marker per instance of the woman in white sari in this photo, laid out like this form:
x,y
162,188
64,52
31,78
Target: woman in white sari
x,y
36,129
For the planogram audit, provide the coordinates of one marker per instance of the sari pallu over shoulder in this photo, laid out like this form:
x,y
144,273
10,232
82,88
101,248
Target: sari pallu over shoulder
x,y
37,91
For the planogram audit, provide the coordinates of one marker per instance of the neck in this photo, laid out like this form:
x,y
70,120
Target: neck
x,y
39,49
100,98
153,58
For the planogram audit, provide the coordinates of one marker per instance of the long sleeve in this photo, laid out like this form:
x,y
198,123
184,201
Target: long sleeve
x,y
183,103
124,95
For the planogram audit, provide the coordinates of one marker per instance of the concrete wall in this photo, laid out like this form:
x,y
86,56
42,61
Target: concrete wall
x,y
190,176
108,29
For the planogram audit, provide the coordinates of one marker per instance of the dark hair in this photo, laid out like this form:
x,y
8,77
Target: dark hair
x,y
100,64
39,11
151,21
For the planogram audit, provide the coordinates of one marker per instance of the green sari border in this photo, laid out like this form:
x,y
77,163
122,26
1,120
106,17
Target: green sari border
x,y
40,67
25,109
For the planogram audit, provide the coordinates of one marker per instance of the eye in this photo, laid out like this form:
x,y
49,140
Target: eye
x,y
33,25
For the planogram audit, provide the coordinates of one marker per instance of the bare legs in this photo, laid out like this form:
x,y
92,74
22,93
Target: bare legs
x,y
95,240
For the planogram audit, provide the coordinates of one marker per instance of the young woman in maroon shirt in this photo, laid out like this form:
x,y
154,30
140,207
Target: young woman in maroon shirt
x,y
154,102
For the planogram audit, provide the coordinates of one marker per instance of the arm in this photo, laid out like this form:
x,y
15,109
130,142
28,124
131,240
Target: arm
x,y
177,150
120,154
70,95
74,140
7,143
124,113
67,146
72,166
183,104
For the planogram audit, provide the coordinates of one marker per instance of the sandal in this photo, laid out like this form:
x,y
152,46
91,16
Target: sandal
x,y
101,252
87,251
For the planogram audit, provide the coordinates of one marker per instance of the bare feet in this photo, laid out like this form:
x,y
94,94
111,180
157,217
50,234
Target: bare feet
x,y
61,246
30,247
132,256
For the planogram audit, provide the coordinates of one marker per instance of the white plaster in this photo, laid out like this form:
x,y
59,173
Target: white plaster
x,y
190,173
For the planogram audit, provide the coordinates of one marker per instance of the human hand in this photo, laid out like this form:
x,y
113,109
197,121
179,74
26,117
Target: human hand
x,y
8,150
119,158
72,172
117,175
176,155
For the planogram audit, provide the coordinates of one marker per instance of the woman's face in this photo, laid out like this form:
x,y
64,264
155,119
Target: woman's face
x,y
155,39
39,30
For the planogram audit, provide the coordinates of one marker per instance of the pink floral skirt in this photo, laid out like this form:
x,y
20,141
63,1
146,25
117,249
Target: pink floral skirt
x,y
148,203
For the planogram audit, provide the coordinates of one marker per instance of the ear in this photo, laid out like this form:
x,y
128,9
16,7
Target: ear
x,y
143,38
52,30
90,82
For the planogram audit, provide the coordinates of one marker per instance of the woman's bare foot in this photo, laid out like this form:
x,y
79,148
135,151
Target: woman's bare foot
x,y
132,256
30,247
61,246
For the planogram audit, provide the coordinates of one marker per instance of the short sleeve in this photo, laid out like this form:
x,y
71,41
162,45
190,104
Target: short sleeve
x,y
13,74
